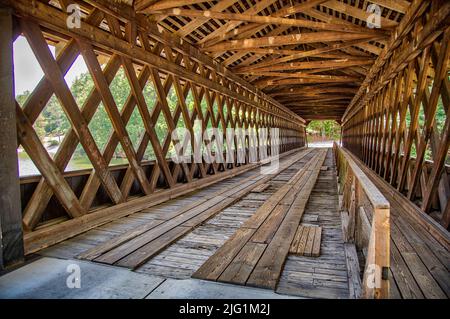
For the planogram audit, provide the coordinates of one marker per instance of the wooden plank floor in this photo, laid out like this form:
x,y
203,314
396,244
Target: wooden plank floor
x,y
324,276
84,242
419,264
184,257
255,254
135,247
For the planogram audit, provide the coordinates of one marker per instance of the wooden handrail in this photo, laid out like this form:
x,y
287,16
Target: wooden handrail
x,y
362,199
375,196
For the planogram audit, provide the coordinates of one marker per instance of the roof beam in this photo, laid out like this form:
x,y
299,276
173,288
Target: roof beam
x,y
146,7
357,13
306,80
310,65
396,5
264,20
331,19
196,23
259,6
299,38
253,28
312,90
314,98
309,53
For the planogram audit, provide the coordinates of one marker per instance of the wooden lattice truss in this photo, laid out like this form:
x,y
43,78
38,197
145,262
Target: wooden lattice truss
x,y
392,122
147,55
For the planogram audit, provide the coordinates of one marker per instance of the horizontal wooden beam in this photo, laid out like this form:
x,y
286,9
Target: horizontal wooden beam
x,y
264,20
322,98
250,29
357,13
328,107
299,38
116,9
310,65
308,80
164,4
314,90
396,5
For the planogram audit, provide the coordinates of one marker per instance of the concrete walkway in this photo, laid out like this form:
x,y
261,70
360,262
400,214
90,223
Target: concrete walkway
x,y
52,278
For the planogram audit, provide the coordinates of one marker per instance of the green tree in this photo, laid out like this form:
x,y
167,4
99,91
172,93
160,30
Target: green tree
x,y
327,129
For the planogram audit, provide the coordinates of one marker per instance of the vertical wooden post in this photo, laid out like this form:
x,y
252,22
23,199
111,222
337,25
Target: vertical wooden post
x,y
11,239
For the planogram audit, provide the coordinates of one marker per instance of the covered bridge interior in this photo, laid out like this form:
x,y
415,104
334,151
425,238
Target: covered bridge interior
x,y
255,213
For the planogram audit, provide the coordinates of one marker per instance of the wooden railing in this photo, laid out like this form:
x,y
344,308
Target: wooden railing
x,y
365,214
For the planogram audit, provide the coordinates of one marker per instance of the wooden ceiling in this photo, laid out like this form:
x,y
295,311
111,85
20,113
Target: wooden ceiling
x,y
309,55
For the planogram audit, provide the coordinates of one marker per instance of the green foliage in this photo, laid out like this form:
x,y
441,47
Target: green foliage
x,y
53,122
439,124
53,143
327,129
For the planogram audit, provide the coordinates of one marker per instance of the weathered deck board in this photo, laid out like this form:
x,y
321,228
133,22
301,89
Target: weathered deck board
x,y
214,233
137,246
274,224
324,276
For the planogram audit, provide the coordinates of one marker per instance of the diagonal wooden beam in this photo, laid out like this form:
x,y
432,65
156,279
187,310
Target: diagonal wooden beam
x,y
34,148
42,93
172,125
54,19
147,120
43,192
165,108
417,8
55,77
113,112
440,75
420,92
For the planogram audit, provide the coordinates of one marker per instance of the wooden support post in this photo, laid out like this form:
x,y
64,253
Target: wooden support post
x,y
11,238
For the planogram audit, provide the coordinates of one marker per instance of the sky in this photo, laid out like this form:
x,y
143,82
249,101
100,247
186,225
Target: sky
x,y
27,71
